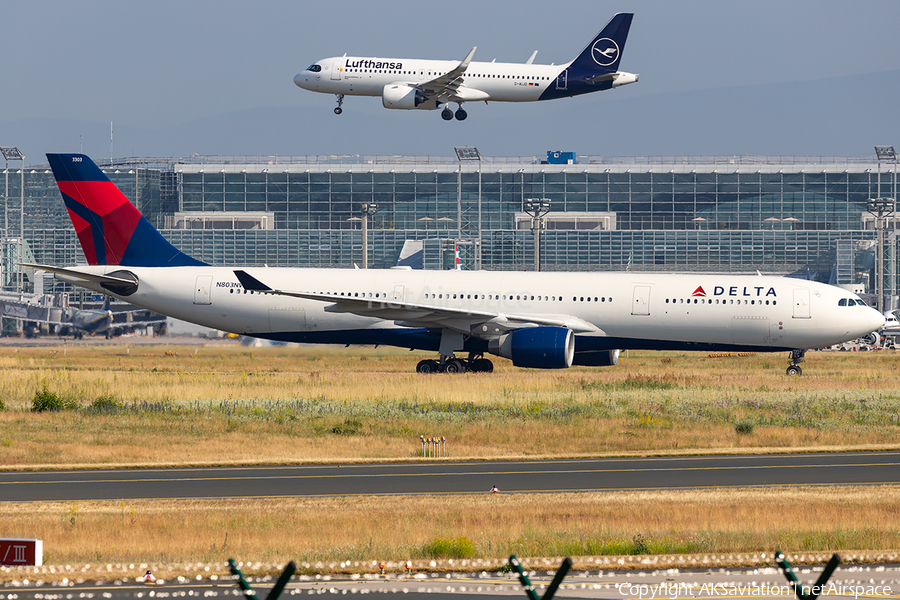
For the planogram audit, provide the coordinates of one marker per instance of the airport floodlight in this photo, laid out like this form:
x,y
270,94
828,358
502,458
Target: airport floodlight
x,y
537,208
881,206
12,153
885,153
468,153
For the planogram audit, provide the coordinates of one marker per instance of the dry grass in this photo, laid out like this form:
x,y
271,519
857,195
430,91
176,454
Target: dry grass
x,y
360,529
211,405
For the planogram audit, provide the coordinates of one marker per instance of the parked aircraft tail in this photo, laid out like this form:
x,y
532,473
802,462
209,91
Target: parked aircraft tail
x,y
111,230
605,51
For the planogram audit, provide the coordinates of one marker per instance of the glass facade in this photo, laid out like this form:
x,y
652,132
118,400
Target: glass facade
x,y
707,214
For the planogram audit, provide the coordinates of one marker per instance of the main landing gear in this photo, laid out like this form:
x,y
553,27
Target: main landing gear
x,y
451,364
340,100
448,114
796,358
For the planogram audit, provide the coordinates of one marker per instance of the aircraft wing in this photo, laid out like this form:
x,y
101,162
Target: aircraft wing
x,y
447,86
484,324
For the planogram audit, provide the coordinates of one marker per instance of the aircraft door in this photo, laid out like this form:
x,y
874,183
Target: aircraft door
x,y
562,80
202,289
801,304
640,305
336,69
398,293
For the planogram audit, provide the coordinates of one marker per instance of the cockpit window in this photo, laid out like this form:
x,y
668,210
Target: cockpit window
x,y
851,302
315,68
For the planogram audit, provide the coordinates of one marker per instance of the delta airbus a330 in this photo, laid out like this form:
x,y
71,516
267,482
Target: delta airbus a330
x,y
409,83
538,320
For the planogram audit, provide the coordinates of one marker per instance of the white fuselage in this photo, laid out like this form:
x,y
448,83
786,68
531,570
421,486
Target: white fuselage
x,y
629,310
357,76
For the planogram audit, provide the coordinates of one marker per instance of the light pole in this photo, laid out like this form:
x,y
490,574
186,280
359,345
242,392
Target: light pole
x,y
467,154
368,209
12,153
537,208
882,207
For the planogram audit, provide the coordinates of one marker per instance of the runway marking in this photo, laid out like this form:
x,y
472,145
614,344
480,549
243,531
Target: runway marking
x,y
445,474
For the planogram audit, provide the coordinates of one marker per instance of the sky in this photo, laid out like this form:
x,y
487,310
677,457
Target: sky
x,y
175,78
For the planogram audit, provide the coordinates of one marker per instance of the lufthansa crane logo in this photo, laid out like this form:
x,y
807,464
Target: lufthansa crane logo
x,y
605,52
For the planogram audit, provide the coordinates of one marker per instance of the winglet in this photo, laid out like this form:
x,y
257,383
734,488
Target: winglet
x,y
251,283
531,58
465,62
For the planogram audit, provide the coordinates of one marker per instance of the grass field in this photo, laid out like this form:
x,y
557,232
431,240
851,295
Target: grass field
x,y
154,405
209,405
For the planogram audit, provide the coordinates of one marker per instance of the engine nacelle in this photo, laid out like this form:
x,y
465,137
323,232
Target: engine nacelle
x,y
537,347
596,358
405,97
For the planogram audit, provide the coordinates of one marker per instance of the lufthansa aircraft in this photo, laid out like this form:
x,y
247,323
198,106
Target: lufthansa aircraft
x,y
431,84
538,320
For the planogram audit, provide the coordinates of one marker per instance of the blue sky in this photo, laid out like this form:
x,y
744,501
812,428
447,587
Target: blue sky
x,y
214,77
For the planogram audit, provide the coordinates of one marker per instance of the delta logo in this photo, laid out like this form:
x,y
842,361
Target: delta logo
x,y
735,290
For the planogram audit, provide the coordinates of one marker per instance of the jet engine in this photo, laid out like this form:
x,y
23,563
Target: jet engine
x,y
596,358
405,96
537,347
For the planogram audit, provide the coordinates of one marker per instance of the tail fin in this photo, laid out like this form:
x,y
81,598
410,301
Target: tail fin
x,y
111,230
605,50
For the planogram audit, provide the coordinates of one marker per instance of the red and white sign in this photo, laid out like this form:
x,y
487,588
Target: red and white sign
x,y
21,553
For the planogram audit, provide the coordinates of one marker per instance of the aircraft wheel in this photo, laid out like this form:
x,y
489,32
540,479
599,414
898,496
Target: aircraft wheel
x,y
482,365
447,114
454,366
338,110
461,115
427,366
794,370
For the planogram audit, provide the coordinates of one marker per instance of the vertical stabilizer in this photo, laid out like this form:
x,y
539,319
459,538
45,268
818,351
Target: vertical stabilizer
x,y
604,52
111,230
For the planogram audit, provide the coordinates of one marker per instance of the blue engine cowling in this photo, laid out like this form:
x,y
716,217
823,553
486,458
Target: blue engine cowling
x,y
537,347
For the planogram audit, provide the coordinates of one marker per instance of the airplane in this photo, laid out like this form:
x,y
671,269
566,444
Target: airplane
x,y
537,319
93,321
408,84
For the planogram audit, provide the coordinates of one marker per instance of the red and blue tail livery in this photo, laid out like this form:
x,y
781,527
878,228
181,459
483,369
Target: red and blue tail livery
x,y
111,230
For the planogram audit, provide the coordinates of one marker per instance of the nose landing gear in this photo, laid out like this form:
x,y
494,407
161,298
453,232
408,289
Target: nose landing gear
x,y
796,358
340,100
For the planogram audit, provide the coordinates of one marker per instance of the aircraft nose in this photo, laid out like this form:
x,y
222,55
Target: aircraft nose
x,y
874,320
299,79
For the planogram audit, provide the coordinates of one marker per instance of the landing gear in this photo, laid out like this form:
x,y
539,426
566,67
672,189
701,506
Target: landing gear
x,y
428,366
340,100
454,365
794,369
448,114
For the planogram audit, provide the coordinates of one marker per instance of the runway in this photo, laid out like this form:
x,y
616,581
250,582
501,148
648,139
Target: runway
x,y
440,477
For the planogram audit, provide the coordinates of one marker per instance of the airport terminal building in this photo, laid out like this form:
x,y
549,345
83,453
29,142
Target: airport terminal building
x,y
712,214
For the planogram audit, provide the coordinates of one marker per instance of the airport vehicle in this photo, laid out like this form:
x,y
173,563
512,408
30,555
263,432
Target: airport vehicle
x,y
538,320
410,84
